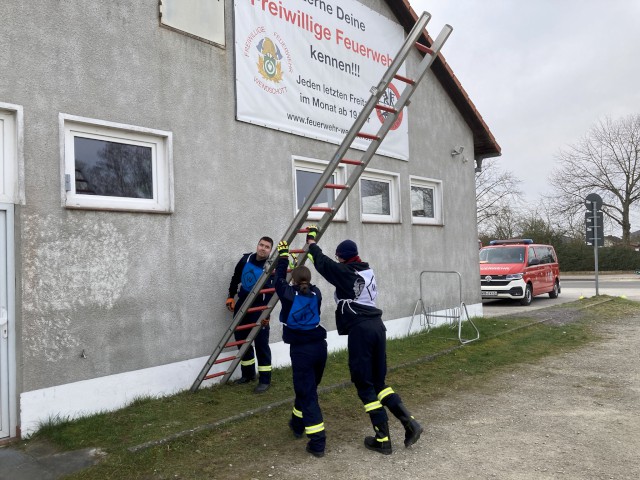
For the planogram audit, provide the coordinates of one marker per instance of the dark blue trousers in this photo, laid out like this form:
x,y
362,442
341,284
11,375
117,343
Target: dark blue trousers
x,y
261,342
308,361
367,345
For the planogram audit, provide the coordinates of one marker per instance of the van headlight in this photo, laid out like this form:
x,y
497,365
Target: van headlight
x,y
514,276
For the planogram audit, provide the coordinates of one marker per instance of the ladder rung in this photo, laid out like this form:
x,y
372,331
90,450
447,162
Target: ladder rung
x,y
386,108
321,209
235,344
368,136
303,230
225,359
266,291
404,79
336,186
424,48
214,375
351,162
246,326
296,250
258,309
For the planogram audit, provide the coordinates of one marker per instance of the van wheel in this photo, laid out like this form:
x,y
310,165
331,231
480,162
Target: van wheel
x,y
556,290
528,295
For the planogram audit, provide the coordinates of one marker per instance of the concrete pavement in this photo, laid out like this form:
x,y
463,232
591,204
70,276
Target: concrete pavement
x,y
39,461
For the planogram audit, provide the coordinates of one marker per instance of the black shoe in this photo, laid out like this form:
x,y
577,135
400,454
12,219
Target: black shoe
x,y
261,388
412,432
243,380
318,454
373,444
295,433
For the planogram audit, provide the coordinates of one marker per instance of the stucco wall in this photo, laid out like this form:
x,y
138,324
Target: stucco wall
x,y
137,290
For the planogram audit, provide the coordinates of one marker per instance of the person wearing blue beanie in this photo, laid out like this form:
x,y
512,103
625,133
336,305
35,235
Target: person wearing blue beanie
x,y
347,249
358,317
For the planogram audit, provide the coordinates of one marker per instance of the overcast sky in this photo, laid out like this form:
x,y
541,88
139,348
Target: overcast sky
x,y
542,72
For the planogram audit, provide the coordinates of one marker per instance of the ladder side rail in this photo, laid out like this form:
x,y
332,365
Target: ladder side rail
x,y
407,46
301,217
249,340
234,323
402,102
213,357
227,336
351,135
356,173
428,59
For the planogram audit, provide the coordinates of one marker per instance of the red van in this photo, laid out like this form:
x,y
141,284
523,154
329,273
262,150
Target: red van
x,y
518,269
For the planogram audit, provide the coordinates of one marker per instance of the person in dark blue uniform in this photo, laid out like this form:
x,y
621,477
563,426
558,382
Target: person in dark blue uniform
x,y
300,316
246,274
358,317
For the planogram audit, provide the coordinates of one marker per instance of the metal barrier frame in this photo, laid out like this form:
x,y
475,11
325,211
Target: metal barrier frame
x,y
455,317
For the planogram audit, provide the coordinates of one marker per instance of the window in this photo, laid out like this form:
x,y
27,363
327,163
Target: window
x,y
426,201
110,166
306,173
8,164
203,19
379,199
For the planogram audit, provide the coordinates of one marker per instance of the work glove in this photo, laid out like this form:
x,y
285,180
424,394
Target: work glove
x,y
231,304
312,233
293,258
283,249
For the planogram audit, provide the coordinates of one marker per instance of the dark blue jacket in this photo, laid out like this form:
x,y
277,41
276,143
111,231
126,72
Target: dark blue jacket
x,y
287,294
349,285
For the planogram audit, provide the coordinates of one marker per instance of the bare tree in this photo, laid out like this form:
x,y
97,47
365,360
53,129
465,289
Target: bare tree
x,y
607,162
497,192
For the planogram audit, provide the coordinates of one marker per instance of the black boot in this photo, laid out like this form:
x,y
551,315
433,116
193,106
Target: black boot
x,y
412,429
381,443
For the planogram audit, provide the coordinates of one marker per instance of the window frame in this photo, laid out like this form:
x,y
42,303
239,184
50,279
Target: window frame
x,y
211,19
436,185
314,165
12,156
393,179
161,143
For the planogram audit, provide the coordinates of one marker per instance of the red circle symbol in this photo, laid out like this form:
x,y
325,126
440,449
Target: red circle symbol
x,y
389,98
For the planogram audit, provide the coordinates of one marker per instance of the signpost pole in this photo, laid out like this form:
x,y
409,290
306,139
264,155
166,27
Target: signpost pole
x,y
595,242
593,202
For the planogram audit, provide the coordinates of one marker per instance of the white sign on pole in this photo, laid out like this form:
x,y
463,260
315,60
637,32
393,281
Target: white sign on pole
x,y
307,67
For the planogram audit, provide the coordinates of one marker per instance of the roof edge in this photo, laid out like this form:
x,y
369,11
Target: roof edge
x,y
484,143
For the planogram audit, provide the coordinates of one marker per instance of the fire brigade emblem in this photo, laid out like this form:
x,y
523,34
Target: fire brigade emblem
x,y
269,64
304,315
358,286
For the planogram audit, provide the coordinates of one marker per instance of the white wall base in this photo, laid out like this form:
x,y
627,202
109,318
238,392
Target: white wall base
x,y
112,392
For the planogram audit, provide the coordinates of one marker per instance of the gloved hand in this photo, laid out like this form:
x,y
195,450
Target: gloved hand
x,y
313,232
231,304
293,258
283,249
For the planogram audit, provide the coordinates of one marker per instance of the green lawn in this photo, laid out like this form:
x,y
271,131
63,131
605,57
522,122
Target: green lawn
x,y
422,368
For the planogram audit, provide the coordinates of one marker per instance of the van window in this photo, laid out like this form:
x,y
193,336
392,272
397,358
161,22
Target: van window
x,y
502,255
545,254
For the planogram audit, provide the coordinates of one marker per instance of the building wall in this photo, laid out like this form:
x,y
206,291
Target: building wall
x,y
105,293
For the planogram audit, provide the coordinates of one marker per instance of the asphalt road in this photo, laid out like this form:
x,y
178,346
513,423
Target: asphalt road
x,y
572,288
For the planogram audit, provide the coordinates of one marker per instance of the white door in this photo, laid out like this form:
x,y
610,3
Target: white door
x,y
8,186
4,328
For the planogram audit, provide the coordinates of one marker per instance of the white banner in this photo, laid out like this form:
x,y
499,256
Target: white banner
x,y
307,67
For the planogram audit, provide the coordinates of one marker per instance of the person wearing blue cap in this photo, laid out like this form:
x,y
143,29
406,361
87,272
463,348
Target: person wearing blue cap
x,y
358,317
